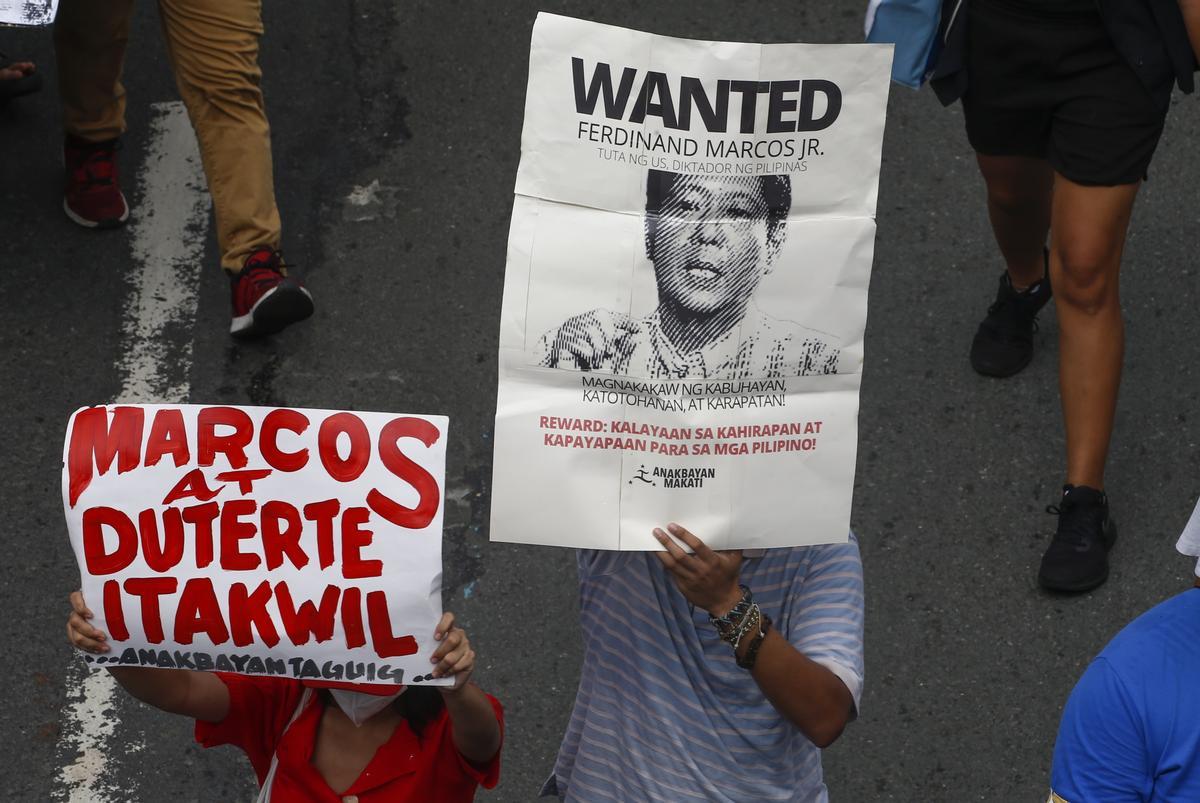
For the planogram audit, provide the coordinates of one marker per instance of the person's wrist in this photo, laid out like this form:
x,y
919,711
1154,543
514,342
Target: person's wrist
x,y
727,603
455,690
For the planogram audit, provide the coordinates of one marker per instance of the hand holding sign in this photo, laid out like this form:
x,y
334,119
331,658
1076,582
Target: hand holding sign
x,y
590,341
80,631
454,656
708,579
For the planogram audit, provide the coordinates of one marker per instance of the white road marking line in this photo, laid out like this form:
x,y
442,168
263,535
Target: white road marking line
x,y
167,241
88,726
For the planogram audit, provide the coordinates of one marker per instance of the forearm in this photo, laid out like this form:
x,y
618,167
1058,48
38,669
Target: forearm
x,y
473,722
161,688
1191,21
807,694
200,695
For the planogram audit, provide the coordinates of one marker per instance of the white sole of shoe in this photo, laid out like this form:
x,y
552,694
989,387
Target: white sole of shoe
x,y
101,224
278,308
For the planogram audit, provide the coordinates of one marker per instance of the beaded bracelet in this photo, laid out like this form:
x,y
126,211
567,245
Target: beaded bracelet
x,y
728,624
750,624
752,650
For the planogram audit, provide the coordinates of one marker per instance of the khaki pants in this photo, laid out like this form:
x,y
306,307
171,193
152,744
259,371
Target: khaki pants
x,y
213,47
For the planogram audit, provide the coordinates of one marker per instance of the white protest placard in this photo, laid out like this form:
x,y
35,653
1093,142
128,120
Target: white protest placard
x,y
28,12
685,293
264,541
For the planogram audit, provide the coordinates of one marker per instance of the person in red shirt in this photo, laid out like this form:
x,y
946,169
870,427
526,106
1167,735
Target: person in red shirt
x,y
321,742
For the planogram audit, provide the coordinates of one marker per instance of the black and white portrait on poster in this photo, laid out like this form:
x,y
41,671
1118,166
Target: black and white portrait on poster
x,y
711,240
685,293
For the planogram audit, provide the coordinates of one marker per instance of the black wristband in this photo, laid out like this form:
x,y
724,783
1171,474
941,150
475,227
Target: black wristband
x,y
752,650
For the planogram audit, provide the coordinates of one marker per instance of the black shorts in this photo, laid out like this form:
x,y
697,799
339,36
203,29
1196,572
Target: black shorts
x,y
1054,87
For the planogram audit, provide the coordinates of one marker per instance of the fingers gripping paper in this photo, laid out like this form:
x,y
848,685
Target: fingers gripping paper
x,y
686,289
296,543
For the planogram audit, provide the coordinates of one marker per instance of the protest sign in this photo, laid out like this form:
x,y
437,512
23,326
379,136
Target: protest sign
x,y
685,294
296,543
28,12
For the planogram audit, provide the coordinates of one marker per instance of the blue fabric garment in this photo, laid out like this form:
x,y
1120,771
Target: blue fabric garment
x,y
663,712
912,25
1131,728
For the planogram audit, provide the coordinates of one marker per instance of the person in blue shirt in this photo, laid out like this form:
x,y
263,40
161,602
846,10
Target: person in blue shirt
x,y
1131,728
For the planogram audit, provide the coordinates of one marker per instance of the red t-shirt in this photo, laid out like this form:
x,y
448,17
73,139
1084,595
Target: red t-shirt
x,y
403,769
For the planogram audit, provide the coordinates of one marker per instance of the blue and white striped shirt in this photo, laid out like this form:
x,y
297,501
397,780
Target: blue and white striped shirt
x,y
663,712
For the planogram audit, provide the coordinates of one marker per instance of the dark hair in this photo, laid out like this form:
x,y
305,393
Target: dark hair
x,y
419,705
776,192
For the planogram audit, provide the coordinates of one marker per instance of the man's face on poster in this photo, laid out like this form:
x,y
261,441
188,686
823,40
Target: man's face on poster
x,y
712,242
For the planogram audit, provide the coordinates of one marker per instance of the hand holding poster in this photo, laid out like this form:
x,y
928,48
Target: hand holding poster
x,y
686,289
296,543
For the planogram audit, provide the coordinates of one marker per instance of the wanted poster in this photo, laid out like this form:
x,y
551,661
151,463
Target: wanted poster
x,y
263,541
685,292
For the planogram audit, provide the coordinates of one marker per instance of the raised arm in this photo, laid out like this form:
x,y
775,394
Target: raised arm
x,y
199,695
812,698
806,693
473,721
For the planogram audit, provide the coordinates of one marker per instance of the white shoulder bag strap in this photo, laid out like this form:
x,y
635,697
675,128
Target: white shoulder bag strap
x,y
264,794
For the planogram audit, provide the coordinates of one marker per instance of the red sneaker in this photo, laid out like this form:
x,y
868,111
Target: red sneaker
x,y
92,197
265,299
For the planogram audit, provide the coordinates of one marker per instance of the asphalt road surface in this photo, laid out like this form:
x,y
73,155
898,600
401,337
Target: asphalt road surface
x,y
396,131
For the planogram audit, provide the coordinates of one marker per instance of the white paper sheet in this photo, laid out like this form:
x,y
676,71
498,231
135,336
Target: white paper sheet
x,y
28,12
686,289
296,543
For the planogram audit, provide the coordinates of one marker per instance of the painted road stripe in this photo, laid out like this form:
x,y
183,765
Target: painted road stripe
x,y
167,237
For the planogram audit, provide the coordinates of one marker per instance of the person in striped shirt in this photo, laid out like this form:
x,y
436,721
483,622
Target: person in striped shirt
x,y
667,709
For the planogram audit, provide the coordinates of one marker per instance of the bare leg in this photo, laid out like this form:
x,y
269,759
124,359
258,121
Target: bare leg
x,y
1088,239
1019,196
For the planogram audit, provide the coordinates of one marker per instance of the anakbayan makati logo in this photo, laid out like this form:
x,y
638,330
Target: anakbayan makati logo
x,y
674,477
642,476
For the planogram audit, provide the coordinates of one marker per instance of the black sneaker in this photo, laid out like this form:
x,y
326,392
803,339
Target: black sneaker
x,y
1077,559
1003,344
